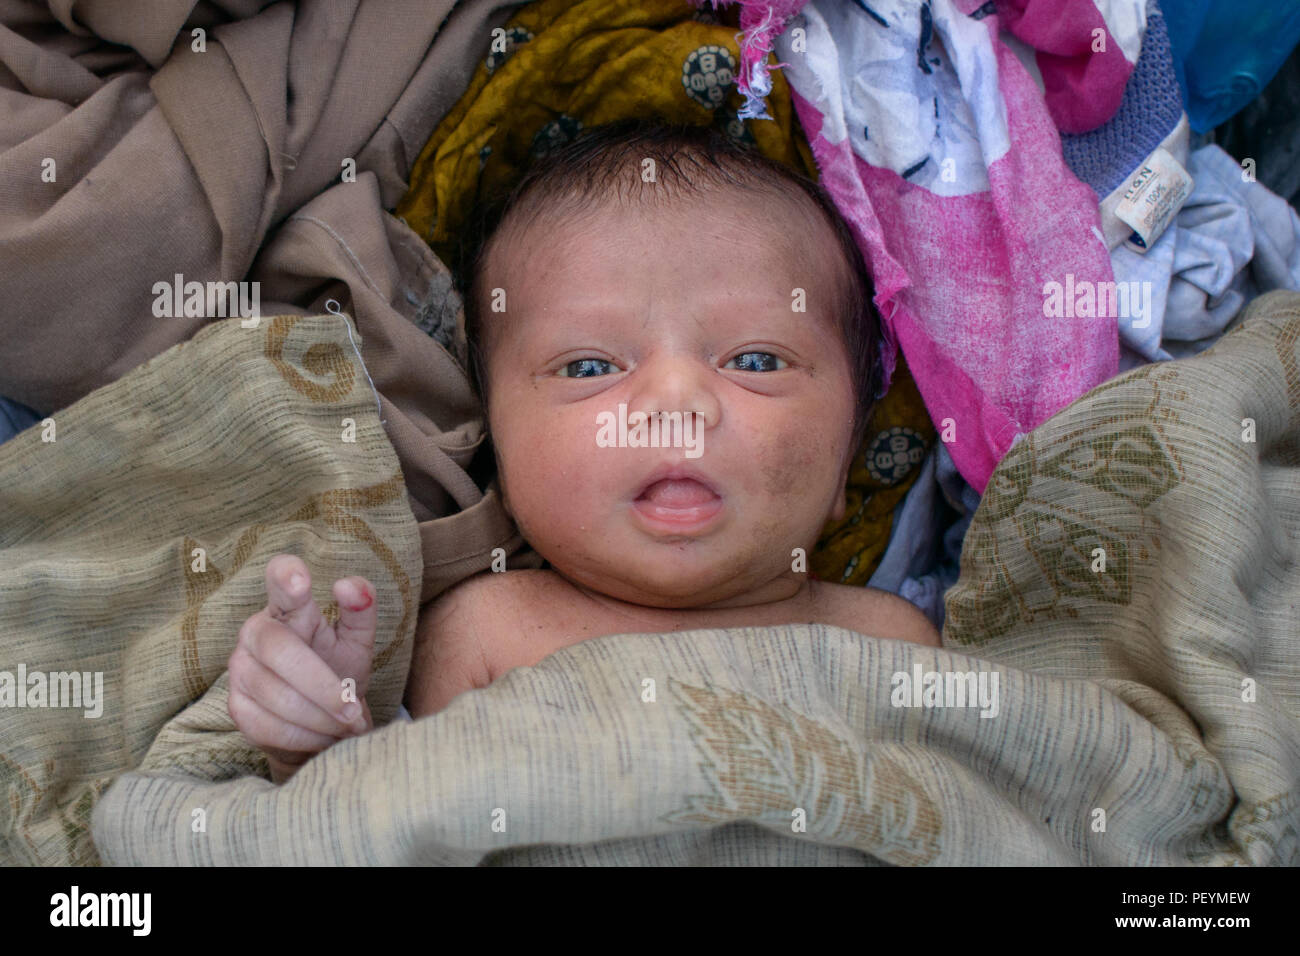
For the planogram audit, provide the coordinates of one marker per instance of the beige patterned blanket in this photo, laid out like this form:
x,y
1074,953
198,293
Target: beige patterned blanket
x,y
135,527
1119,682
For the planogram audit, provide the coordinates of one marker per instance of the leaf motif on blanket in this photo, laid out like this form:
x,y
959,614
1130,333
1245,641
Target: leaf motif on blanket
x,y
764,760
25,794
1251,827
75,820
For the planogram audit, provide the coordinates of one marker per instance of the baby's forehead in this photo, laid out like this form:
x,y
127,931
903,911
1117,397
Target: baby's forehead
x,y
757,228
773,249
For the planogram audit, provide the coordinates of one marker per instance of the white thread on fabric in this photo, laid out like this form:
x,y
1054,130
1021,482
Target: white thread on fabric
x,y
338,310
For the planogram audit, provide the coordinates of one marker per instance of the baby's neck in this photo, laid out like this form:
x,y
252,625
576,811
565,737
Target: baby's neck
x,y
788,591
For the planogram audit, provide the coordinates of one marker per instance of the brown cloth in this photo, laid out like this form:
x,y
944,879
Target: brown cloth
x,y
221,155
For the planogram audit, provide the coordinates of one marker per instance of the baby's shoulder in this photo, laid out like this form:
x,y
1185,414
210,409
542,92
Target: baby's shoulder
x,y
501,604
876,613
470,634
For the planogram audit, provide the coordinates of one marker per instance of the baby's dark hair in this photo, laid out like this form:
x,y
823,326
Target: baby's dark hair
x,y
594,168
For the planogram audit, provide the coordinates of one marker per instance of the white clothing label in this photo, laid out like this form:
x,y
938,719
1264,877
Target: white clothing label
x,y
1152,197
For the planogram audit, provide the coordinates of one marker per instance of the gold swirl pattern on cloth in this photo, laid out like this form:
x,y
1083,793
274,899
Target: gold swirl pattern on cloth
x,y
135,545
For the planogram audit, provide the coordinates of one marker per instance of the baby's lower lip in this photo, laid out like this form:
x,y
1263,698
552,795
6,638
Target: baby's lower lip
x,y
678,506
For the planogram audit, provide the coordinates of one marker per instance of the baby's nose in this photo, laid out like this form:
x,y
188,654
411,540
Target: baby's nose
x,y
669,384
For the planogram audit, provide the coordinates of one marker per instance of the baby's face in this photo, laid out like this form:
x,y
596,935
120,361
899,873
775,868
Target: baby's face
x,y
690,308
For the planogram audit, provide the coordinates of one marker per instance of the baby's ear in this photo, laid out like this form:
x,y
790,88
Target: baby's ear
x,y
505,498
841,506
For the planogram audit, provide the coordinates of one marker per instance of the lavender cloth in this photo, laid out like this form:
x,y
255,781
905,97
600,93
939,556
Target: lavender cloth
x,y
1151,107
1232,241
923,557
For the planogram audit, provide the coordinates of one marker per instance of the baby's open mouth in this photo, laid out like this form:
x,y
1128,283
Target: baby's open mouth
x,y
677,493
677,502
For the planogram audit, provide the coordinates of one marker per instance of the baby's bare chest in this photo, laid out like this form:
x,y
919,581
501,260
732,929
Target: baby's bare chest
x,y
527,631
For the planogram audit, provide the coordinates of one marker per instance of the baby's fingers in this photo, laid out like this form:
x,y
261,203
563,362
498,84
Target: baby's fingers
x,y
282,700
282,652
288,595
356,624
267,731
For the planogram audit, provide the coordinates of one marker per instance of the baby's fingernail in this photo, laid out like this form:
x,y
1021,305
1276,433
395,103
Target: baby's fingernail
x,y
351,712
362,601
296,583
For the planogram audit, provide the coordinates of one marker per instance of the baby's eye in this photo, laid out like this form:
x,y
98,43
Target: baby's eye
x,y
756,362
586,368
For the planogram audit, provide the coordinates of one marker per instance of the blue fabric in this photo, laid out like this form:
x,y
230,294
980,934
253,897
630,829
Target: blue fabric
x,y
15,418
923,559
1230,50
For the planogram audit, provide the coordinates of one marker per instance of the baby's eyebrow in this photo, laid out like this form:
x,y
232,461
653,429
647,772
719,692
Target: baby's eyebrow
x,y
734,319
795,302
776,309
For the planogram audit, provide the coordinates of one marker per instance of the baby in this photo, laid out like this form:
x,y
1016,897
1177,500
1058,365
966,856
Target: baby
x,y
676,345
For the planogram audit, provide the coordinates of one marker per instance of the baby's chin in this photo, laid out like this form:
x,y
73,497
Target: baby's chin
x,y
672,586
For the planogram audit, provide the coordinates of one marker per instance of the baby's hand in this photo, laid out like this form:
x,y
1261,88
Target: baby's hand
x,y
287,672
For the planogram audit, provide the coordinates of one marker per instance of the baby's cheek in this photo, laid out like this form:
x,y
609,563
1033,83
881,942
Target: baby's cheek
x,y
551,476
793,463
